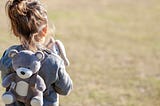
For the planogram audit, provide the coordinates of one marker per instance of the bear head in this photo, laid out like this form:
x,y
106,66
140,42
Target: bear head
x,y
26,63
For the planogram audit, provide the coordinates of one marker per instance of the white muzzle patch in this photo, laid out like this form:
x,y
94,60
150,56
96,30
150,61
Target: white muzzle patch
x,y
24,73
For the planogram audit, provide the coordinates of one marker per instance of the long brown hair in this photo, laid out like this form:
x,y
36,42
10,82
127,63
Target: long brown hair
x,y
27,18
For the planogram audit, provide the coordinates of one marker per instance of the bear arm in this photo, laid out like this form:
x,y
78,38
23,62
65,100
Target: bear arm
x,y
40,83
8,80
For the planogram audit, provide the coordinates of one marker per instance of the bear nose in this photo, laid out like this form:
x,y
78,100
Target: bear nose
x,y
22,72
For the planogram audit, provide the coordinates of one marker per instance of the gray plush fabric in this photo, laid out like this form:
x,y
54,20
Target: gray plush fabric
x,y
26,65
52,71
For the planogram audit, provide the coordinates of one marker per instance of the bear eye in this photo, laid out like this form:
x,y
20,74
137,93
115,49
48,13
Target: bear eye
x,y
28,67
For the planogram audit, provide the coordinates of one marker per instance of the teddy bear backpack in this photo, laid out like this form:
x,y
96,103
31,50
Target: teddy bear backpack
x,y
25,85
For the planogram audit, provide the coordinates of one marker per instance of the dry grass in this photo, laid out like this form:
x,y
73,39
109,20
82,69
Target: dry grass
x,y
113,46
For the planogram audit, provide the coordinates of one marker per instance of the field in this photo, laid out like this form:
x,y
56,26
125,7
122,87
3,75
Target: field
x,y
113,47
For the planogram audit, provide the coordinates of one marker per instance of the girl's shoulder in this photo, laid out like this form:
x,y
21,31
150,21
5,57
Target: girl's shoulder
x,y
17,47
6,62
6,52
49,54
51,59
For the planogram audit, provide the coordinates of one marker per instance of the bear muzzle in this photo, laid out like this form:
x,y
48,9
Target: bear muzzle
x,y
24,73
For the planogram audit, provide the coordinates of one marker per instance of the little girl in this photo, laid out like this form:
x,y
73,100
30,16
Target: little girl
x,y
29,23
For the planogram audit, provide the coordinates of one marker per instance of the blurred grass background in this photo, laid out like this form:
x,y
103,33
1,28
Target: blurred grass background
x,y
113,46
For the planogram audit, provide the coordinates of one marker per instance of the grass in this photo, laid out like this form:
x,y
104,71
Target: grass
x,y
113,46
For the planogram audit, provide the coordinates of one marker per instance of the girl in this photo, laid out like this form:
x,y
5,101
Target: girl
x,y
29,23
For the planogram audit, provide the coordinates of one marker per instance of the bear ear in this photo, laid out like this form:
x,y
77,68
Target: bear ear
x,y
12,53
40,55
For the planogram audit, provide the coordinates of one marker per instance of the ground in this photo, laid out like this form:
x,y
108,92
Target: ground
x,y
113,47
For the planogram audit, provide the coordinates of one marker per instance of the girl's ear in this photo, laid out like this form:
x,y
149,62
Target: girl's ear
x,y
39,55
43,31
12,53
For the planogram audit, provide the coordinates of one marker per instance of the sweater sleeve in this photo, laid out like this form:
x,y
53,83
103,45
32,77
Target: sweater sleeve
x,y
5,64
64,84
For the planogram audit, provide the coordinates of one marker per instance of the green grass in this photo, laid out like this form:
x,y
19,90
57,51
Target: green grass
x,y
113,46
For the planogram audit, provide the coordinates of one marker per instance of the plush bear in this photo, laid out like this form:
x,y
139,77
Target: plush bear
x,y
25,85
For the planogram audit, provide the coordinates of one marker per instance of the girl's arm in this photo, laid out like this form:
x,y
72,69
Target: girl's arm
x,y
64,84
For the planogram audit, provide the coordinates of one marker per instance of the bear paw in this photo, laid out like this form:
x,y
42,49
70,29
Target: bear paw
x,y
7,98
36,102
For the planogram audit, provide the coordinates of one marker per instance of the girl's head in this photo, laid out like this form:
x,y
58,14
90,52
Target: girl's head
x,y
28,21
